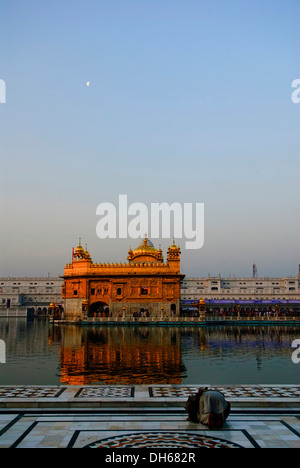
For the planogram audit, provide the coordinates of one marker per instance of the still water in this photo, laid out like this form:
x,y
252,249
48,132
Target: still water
x,y
39,353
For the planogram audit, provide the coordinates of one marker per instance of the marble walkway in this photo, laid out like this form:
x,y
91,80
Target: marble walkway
x,y
145,417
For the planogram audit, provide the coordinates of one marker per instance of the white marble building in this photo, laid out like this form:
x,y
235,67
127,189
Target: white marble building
x,y
31,293
217,287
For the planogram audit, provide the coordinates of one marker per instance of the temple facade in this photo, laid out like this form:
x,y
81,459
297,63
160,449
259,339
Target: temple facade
x,y
144,286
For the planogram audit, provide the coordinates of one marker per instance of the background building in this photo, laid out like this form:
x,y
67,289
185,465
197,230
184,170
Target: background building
x,y
29,294
217,287
251,294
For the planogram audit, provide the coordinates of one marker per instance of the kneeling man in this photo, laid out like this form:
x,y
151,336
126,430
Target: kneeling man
x,y
208,407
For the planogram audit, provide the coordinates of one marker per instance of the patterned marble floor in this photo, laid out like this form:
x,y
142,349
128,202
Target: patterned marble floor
x,y
167,392
105,392
30,392
251,391
145,429
142,416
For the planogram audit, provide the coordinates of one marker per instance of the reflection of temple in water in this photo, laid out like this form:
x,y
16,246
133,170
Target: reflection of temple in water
x,y
120,355
158,355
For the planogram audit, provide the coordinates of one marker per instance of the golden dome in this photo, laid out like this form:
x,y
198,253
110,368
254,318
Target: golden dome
x,y
86,253
145,248
80,253
79,250
145,252
173,246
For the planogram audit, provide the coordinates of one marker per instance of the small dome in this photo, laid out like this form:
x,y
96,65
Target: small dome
x,y
79,249
173,246
86,253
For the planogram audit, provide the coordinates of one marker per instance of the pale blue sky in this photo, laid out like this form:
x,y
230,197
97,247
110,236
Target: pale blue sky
x,y
190,101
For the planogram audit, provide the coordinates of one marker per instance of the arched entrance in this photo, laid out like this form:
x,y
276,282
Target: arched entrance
x,y
99,309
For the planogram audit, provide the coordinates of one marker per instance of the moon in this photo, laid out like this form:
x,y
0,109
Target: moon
x,y
88,83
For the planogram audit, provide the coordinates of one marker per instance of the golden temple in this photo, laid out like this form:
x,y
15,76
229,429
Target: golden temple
x,y
144,286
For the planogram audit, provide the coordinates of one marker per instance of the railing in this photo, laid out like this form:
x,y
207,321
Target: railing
x,y
195,320
252,318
